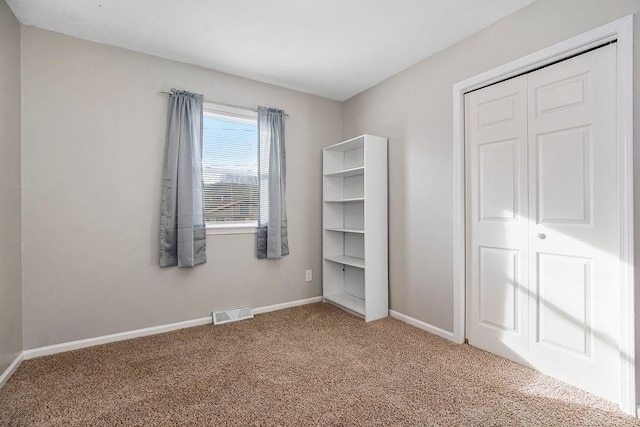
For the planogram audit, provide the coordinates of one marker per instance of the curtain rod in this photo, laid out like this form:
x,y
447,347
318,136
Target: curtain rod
x,y
222,103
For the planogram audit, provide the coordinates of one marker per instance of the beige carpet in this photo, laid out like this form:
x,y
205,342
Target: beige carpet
x,y
312,365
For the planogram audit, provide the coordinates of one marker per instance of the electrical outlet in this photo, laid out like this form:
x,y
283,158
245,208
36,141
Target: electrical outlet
x,y
308,275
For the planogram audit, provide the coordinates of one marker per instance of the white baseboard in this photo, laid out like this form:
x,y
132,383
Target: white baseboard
x,y
422,325
90,342
282,306
121,336
11,369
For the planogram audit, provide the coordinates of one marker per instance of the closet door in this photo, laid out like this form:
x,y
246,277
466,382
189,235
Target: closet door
x,y
497,212
543,232
574,234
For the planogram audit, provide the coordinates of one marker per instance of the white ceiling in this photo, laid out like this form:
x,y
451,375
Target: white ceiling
x,y
331,48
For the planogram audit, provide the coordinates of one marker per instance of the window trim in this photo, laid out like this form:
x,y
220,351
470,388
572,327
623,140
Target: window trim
x,y
227,110
233,227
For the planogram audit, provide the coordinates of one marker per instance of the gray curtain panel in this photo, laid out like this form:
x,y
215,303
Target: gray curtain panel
x,y
272,225
182,223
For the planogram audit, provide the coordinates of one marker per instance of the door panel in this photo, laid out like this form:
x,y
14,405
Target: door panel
x,y
543,223
498,174
564,176
563,302
497,111
563,94
496,141
499,273
573,188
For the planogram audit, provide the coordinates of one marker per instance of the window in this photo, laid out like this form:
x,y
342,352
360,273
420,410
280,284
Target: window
x,y
230,168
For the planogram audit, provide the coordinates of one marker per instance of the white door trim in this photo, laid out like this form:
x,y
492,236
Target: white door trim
x,y
622,31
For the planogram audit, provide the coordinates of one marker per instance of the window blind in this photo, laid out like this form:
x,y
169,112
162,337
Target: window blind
x,y
230,168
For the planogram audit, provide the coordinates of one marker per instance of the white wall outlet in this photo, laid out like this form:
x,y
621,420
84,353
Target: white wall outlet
x,y
308,275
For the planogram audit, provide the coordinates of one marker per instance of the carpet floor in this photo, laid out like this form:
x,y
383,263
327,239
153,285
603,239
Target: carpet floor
x,y
310,365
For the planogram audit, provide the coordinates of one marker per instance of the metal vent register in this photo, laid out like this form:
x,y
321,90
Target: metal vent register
x,y
232,315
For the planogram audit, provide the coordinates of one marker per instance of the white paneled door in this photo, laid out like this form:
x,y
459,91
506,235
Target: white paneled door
x,y
542,221
498,206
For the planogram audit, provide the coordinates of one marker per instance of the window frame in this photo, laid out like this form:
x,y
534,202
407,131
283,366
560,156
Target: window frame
x,y
241,113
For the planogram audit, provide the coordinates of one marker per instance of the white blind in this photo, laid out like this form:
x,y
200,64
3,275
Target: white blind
x,y
230,167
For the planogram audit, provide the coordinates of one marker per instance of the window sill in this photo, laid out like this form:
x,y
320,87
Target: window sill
x,y
232,229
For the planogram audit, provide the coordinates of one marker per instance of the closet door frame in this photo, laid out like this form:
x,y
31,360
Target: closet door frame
x,y
620,31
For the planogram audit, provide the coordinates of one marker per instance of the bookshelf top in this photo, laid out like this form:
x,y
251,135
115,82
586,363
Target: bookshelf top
x,y
351,144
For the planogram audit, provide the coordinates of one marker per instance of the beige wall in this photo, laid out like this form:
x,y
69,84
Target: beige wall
x,y
10,263
93,149
414,109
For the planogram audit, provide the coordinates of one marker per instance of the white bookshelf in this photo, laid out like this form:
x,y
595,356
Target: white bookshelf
x,y
355,254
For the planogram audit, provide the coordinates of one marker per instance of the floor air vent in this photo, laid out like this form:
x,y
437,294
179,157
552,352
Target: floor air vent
x,y
232,315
